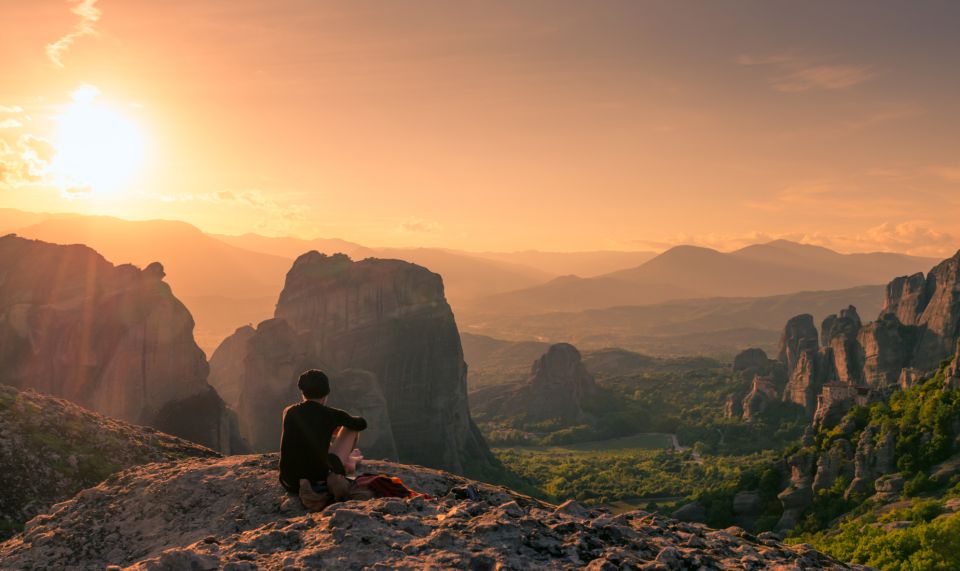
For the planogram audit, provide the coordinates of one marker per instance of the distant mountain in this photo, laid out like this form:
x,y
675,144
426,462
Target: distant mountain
x,y
572,293
583,264
769,269
713,325
687,272
465,276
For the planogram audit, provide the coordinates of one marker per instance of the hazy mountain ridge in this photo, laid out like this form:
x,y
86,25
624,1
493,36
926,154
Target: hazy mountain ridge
x,y
686,272
679,327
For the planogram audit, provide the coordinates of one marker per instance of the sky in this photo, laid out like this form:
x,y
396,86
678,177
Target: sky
x,y
553,125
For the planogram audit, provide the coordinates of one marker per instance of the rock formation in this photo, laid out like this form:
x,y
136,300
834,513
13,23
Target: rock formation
x,y
386,317
556,389
850,363
767,378
113,339
873,458
226,365
932,305
50,449
229,513
763,391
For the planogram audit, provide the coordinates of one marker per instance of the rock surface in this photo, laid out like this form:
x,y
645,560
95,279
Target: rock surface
x,y
229,513
110,338
556,389
50,449
387,317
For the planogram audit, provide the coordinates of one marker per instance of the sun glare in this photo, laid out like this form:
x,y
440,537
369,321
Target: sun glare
x,y
99,150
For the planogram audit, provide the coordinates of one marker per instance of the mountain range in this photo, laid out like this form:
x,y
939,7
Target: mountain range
x,y
685,272
230,281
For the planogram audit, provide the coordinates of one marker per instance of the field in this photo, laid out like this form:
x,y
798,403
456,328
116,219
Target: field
x,y
624,473
642,441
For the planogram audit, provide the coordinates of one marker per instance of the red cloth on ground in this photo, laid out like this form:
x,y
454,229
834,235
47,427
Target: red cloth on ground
x,y
383,486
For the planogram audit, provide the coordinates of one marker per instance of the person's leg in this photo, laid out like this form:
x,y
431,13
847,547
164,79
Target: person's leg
x,y
343,447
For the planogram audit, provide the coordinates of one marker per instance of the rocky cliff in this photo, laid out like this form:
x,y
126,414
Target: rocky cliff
x,y
848,362
767,378
229,513
386,317
556,389
113,339
50,449
932,305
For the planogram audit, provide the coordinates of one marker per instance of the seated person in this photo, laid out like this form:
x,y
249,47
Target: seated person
x,y
308,449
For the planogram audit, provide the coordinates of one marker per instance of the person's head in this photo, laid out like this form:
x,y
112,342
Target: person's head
x,y
314,384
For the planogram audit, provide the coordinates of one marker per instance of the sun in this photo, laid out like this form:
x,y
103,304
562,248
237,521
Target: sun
x,y
98,149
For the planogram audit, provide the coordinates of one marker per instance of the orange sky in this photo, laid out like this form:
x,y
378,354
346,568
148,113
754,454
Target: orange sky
x,y
503,125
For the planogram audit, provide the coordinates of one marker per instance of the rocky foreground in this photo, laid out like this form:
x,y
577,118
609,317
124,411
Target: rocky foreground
x,y
50,449
229,513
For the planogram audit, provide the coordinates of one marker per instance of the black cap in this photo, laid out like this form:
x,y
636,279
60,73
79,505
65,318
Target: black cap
x,y
314,384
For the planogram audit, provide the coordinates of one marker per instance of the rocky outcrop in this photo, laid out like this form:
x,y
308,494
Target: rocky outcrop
x,y
763,391
839,333
110,338
386,317
798,496
359,392
767,378
230,514
50,449
854,363
833,464
874,458
932,305
556,389
799,338
227,363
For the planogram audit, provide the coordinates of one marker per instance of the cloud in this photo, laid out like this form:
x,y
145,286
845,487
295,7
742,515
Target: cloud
x,y
795,74
420,225
10,123
25,162
251,198
89,15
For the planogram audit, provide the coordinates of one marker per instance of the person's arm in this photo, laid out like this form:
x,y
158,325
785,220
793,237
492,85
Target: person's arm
x,y
357,423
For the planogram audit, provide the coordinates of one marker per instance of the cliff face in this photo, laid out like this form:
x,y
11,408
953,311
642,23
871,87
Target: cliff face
x,y
556,389
51,449
230,513
386,317
856,363
850,362
113,339
933,306
767,378
226,365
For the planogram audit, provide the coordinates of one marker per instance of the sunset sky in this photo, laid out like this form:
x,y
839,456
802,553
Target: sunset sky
x,y
493,125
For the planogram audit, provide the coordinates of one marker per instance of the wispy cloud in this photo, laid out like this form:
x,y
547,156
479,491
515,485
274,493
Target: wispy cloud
x,y
420,225
252,198
793,74
89,15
